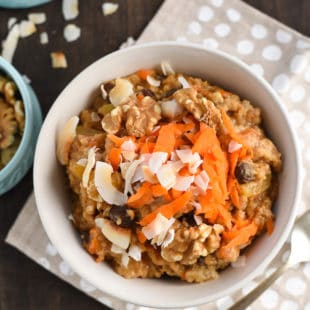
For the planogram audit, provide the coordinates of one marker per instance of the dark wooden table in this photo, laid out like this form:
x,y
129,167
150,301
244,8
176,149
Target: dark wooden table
x,y
24,284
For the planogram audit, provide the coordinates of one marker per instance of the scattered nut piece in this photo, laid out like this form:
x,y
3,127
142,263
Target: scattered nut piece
x,y
59,60
43,38
70,9
72,32
10,43
11,22
109,8
26,28
37,18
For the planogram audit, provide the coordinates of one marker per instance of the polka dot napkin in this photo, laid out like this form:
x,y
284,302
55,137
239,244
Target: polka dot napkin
x,y
272,50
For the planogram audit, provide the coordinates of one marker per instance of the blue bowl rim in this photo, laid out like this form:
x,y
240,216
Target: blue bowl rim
x,y
7,68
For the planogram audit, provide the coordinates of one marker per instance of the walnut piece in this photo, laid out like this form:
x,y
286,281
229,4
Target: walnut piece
x,y
112,121
8,125
202,109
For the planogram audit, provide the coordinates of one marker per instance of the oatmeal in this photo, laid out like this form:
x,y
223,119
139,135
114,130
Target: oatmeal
x,y
171,176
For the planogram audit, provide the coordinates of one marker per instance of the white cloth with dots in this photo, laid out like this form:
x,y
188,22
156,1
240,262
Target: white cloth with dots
x,y
272,50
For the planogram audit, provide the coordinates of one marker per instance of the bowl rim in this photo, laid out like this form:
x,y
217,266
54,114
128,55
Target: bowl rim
x,y
22,87
280,242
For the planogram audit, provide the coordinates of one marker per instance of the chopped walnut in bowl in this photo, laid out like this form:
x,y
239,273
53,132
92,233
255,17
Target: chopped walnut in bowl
x,y
171,175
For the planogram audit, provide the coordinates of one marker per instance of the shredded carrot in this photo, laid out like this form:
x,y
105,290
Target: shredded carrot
x,y
94,246
114,157
208,208
168,210
233,188
142,197
117,140
141,237
158,190
240,223
225,216
140,97
270,226
143,73
175,193
166,139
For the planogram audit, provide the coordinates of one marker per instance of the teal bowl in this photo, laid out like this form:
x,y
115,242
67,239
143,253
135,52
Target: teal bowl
x,y
22,160
20,4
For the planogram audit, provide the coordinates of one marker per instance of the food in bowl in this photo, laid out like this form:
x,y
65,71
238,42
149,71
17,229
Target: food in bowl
x,y
171,175
12,119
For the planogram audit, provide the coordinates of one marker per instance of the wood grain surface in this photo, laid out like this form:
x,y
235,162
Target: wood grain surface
x,y
24,284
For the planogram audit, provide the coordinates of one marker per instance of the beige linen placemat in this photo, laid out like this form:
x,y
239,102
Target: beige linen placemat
x,y
272,50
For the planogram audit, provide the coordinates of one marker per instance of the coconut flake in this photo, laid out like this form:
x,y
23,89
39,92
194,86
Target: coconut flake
x,y
195,163
240,262
130,174
139,174
135,252
72,32
26,79
11,22
129,145
156,161
117,235
202,181
99,221
148,176
37,18
70,9
104,186
185,155
193,160
104,94
152,81
175,165
58,60
26,28
198,219
166,176
65,138
129,42
166,68
82,162
124,167
158,227
116,249
234,146
125,259
122,90
183,82
10,43
109,8
183,183
43,38
171,109
91,161
169,238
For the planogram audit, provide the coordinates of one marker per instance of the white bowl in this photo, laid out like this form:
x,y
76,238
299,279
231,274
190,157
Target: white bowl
x,y
52,193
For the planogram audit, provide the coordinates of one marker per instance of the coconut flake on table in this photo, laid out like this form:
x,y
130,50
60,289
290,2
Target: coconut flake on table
x,y
11,22
10,43
135,252
152,81
109,8
122,90
166,68
58,60
72,32
183,82
166,176
202,181
37,18
26,28
91,161
240,262
234,146
129,42
70,9
104,186
26,79
183,183
43,38
156,161
158,228
171,109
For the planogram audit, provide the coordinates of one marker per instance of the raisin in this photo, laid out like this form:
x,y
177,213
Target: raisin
x,y
148,92
189,219
170,92
244,172
122,216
